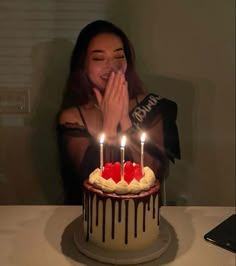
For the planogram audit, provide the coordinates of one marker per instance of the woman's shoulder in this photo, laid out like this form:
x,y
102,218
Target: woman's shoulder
x,y
136,100
140,97
69,115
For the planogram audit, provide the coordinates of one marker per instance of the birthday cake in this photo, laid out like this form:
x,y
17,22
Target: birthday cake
x,y
121,213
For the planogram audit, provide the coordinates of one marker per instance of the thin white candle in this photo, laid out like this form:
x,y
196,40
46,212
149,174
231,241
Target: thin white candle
x,y
122,153
101,152
142,151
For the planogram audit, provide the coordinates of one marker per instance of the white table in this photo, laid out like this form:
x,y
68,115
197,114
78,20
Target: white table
x,y
42,236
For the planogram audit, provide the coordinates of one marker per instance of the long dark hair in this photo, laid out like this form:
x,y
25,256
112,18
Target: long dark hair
x,y
78,87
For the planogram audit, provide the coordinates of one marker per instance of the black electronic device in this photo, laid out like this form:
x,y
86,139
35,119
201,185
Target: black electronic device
x,y
224,234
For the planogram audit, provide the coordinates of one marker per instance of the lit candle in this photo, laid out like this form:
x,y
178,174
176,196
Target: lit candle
x,y
142,149
101,152
122,153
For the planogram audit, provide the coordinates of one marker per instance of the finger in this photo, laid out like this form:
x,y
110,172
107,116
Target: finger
x,y
109,84
98,96
123,85
117,85
126,90
124,95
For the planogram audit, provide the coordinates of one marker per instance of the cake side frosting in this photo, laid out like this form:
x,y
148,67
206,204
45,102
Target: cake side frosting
x,y
121,222
123,187
121,213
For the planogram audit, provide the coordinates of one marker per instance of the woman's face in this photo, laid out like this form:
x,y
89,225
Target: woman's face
x,y
105,54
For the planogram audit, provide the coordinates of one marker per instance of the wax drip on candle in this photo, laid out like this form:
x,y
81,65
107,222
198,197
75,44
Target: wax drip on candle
x,y
122,152
101,152
143,136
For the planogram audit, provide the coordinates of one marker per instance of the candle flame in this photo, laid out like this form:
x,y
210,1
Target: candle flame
x,y
143,137
123,140
102,138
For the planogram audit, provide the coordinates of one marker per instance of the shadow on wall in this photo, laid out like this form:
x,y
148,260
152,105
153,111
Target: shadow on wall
x,y
183,92
50,62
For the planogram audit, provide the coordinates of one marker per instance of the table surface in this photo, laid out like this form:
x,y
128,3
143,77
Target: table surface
x,y
43,236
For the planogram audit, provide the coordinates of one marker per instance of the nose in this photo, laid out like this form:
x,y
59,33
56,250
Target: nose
x,y
113,65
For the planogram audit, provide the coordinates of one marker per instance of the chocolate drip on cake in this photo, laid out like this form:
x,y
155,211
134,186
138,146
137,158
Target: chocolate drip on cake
x,y
126,220
91,213
113,219
86,211
136,203
154,207
97,202
144,214
103,219
119,211
144,198
146,204
149,204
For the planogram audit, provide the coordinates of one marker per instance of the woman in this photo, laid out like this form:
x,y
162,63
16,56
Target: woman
x,y
105,95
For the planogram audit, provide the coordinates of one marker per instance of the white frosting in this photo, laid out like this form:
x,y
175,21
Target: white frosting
x,y
122,187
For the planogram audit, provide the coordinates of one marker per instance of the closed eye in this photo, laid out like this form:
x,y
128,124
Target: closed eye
x,y
97,59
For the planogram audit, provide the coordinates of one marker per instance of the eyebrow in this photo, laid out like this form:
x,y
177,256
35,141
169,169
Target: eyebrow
x,y
101,51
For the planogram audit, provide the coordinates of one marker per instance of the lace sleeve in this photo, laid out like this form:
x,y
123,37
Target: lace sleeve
x,y
82,150
73,143
79,156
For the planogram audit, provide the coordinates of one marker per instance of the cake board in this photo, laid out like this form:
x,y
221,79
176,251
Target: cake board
x,y
123,258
